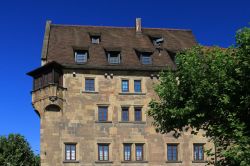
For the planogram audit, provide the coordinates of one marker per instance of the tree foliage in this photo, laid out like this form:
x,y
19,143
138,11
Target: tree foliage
x,y
209,90
15,151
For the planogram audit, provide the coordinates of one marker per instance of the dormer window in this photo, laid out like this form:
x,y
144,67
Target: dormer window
x,y
114,57
146,58
95,39
157,40
81,56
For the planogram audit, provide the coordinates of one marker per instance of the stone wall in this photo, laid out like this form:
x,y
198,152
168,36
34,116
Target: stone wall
x,y
77,122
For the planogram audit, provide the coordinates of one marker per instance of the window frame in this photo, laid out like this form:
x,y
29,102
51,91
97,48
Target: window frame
x,y
88,89
199,145
125,109
103,145
122,87
113,55
144,55
70,145
142,151
172,151
135,89
102,115
95,39
85,55
124,151
135,114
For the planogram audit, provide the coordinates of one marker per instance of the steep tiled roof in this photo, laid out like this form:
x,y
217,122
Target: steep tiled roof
x,y
63,39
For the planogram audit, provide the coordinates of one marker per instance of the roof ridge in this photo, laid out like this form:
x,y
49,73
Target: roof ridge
x,y
119,27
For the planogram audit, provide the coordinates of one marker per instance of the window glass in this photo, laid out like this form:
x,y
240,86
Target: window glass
x,y
125,86
139,152
125,114
81,56
138,114
103,152
95,39
172,152
198,152
114,57
89,85
137,85
70,152
102,113
127,152
146,58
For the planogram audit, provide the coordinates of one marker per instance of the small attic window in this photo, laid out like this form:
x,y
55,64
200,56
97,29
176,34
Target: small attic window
x,y
114,57
81,56
146,58
95,39
157,41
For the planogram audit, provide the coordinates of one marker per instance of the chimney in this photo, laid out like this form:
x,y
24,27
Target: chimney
x,y
138,26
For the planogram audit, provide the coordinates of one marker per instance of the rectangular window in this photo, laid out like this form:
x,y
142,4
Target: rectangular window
x,y
137,85
127,152
146,58
125,86
139,152
103,113
103,152
114,57
95,39
81,56
172,152
125,114
70,151
198,152
89,84
138,114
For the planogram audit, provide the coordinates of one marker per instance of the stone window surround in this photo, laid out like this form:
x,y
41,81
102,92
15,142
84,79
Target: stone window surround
x,y
110,152
131,109
109,113
96,87
76,152
133,152
177,155
131,85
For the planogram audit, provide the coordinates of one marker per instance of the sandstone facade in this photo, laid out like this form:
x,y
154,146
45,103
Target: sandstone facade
x,y
69,115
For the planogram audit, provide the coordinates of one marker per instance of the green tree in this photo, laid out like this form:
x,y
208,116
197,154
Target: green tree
x,y
16,151
209,90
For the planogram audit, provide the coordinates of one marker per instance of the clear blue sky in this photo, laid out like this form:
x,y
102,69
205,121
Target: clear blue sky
x,y
213,22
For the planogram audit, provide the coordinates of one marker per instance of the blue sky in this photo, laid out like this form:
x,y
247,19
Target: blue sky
x,y
213,22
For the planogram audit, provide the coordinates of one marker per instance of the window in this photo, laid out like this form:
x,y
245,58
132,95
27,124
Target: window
x,y
146,58
103,152
70,151
102,113
139,152
172,152
137,85
114,57
157,41
127,152
53,76
138,115
89,84
125,86
95,39
198,152
81,56
125,114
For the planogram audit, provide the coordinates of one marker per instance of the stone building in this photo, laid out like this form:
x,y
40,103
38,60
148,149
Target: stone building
x,y
92,93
